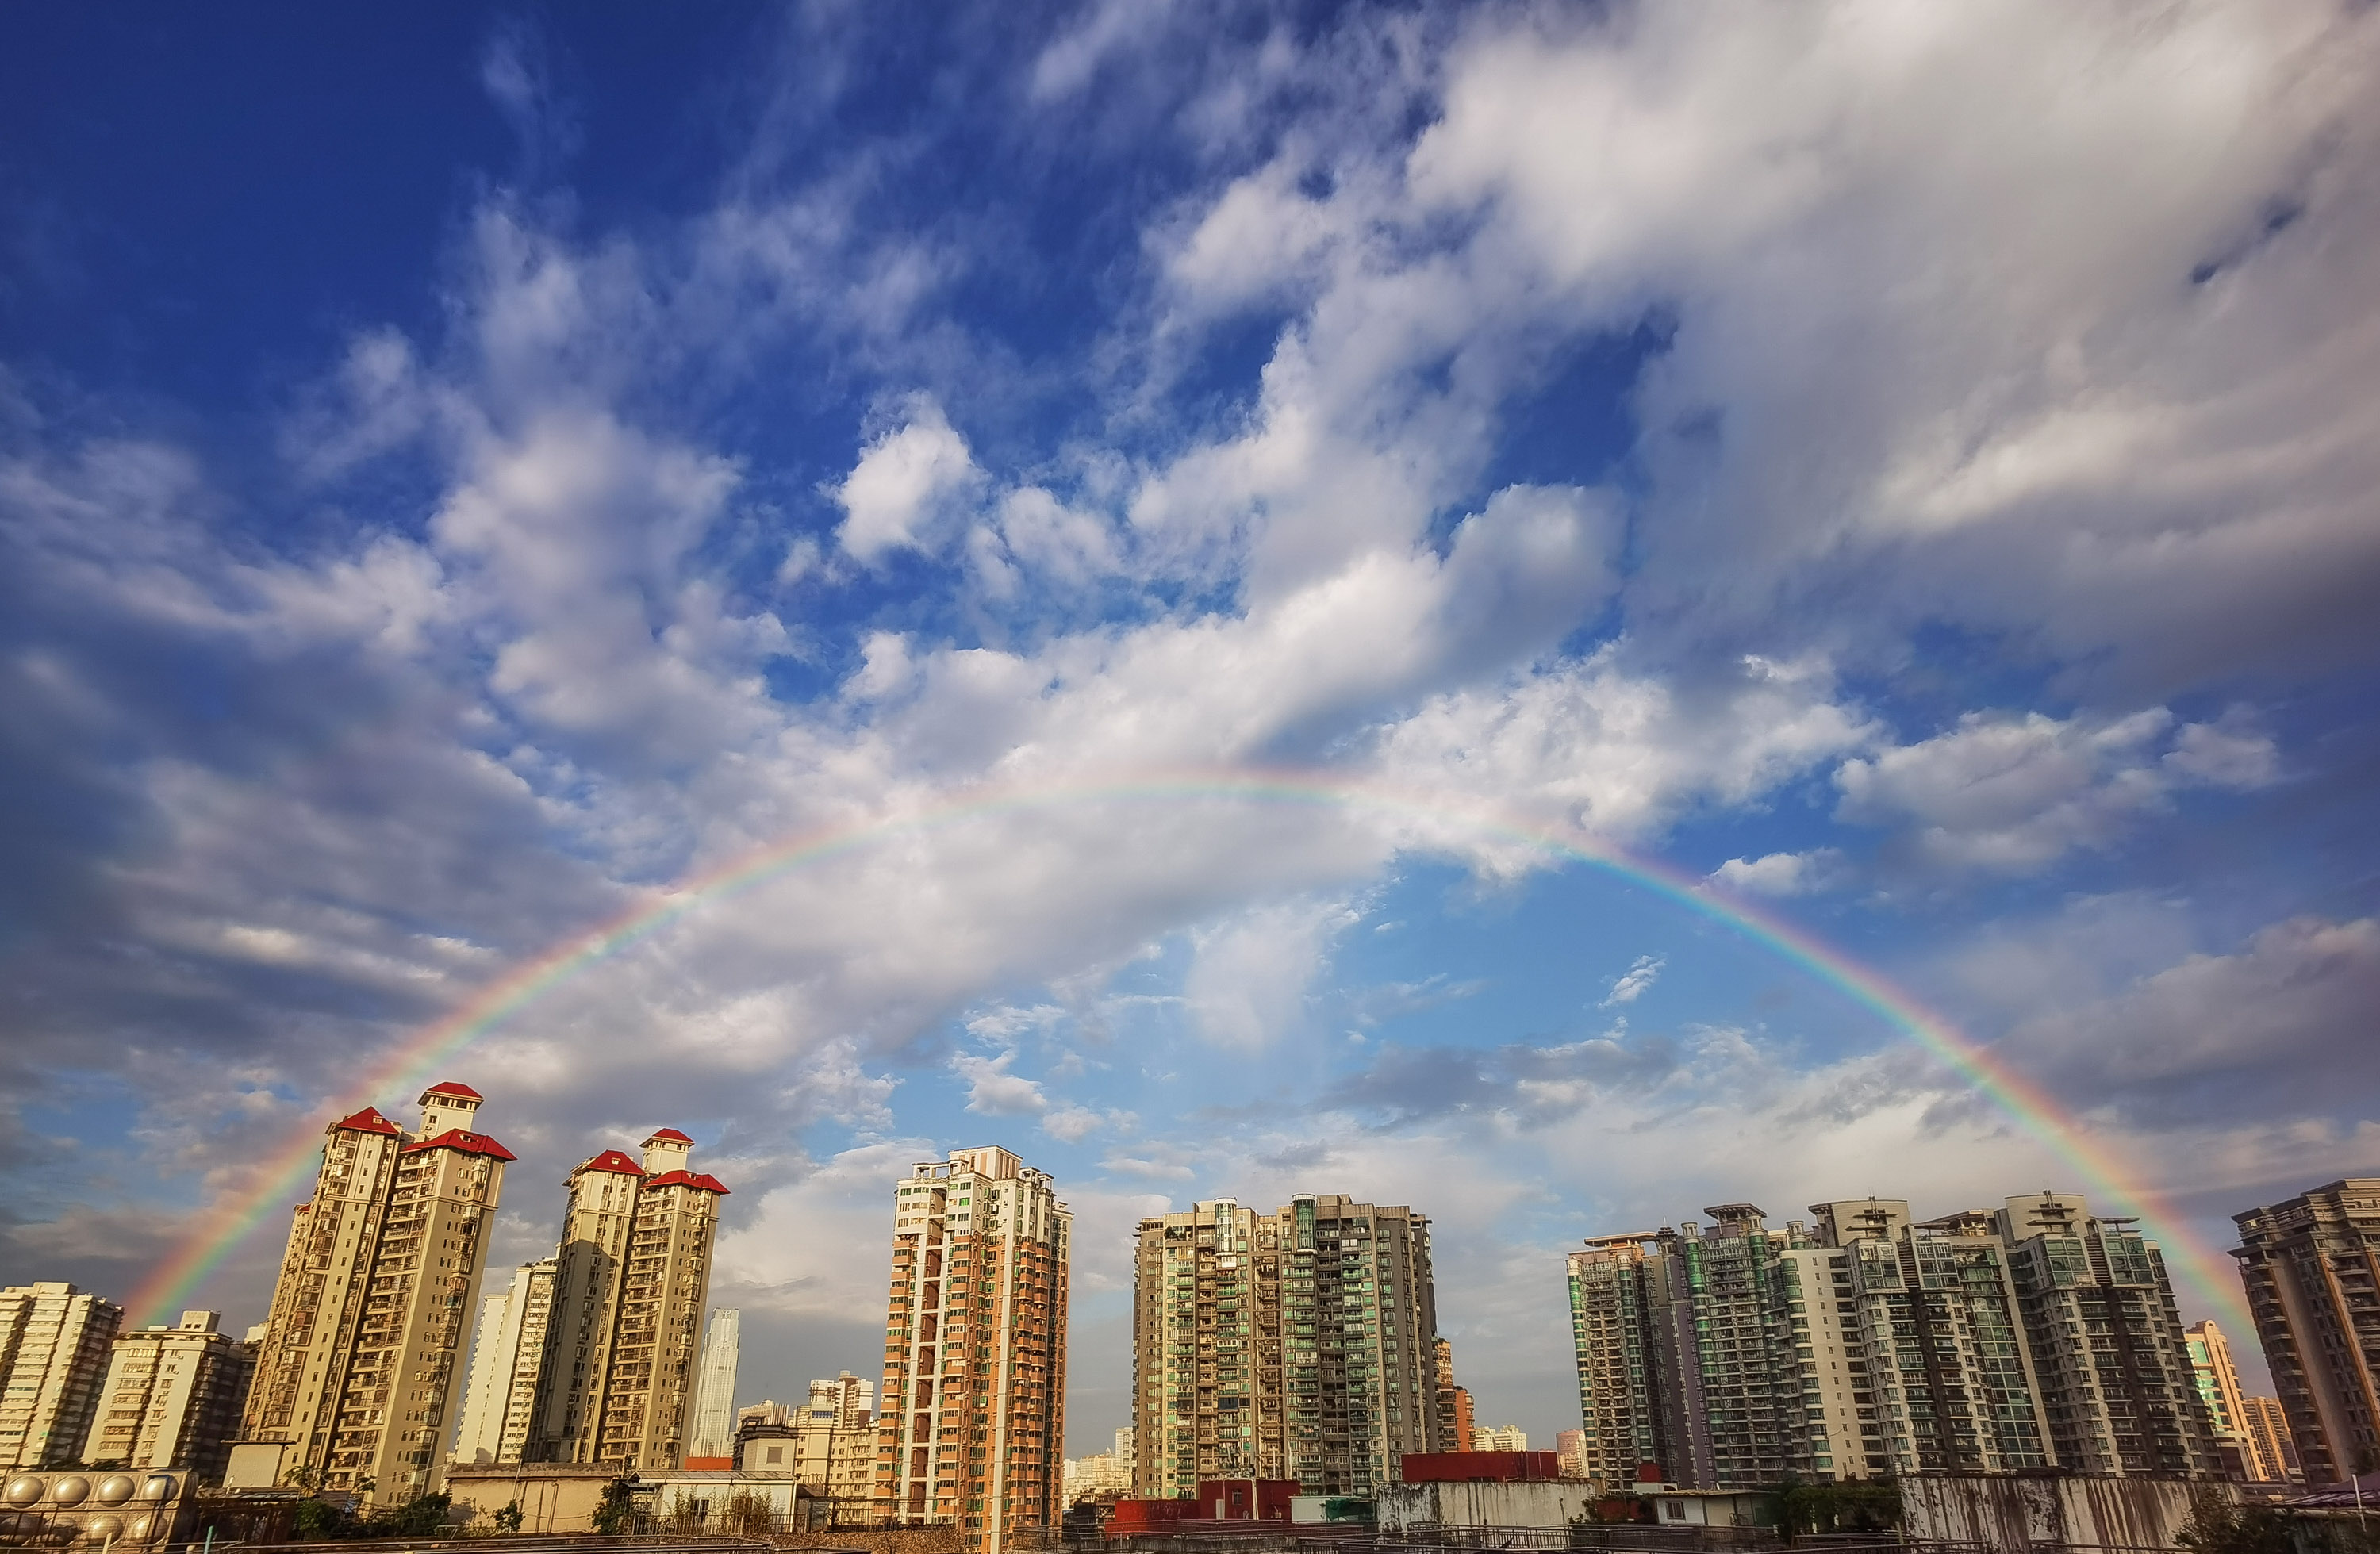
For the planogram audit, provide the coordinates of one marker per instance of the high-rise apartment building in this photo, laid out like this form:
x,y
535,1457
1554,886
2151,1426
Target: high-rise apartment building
x,y
1569,1450
2312,1267
1867,1344
1615,1291
972,1423
849,1398
1454,1417
2218,1380
2105,1341
713,1435
1500,1437
54,1342
631,1281
500,1399
2268,1433
1296,1345
357,1373
172,1398
1924,1320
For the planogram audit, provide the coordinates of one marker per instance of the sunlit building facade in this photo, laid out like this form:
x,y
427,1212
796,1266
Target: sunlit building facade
x,y
1300,1344
971,1425
361,1364
632,1279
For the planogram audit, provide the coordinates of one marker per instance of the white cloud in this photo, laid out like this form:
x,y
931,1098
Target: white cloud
x,y
2093,338
1782,874
1635,982
2014,794
1248,984
994,1091
903,493
1622,753
2230,753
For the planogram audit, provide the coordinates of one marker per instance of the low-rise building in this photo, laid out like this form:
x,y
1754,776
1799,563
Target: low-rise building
x,y
835,1462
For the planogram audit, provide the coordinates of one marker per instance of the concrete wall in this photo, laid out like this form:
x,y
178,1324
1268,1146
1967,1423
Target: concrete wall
x,y
1407,1506
2017,1514
554,1497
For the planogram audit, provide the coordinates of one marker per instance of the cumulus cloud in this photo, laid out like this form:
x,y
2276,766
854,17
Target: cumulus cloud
x,y
2182,484
1782,874
994,1091
901,493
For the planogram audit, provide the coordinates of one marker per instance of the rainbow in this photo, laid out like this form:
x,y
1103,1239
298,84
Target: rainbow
x,y
413,1061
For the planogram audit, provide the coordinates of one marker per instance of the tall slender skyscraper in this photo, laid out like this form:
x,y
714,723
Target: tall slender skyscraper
x,y
2312,1267
972,1424
714,1395
54,1346
630,1283
360,1363
1300,1344
502,1393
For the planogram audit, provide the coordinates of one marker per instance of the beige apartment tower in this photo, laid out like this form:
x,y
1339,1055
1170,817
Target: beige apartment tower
x,y
1296,1345
361,1365
500,1399
971,1422
2312,1267
54,1352
172,1399
630,1284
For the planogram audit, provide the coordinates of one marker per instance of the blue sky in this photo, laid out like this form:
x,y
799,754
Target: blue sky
x,y
1912,470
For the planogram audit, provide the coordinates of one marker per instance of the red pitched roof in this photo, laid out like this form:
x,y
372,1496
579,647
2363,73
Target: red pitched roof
x,y
368,1121
468,1143
671,1133
448,1087
612,1159
689,1179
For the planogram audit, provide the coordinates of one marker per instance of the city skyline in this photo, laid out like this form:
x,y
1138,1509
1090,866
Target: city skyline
x,y
1539,612
1628,1358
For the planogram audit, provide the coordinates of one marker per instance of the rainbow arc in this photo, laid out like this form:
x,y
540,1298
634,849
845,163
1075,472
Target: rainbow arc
x,y
2104,1173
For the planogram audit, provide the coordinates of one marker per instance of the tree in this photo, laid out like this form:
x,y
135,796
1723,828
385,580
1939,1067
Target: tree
x,y
508,1520
1861,1506
616,1512
2217,1525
